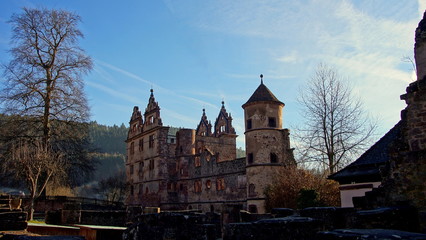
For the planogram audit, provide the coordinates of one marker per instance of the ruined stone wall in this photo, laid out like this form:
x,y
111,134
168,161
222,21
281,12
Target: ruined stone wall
x,y
185,142
209,185
224,146
405,178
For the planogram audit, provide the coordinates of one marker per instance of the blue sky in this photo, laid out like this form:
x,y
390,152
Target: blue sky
x,y
197,53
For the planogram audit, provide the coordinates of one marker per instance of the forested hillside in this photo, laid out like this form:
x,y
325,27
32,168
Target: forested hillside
x,y
109,149
108,139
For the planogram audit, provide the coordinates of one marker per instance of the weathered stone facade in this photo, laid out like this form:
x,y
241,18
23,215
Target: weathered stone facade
x,y
403,174
183,169
405,178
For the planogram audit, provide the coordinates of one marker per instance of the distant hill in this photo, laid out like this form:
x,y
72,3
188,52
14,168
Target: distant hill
x,y
108,139
109,149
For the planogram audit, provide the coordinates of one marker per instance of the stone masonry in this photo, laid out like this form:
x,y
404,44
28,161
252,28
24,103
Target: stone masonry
x,y
183,169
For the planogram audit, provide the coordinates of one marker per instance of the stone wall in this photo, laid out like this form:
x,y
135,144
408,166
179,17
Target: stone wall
x,y
197,186
171,226
405,178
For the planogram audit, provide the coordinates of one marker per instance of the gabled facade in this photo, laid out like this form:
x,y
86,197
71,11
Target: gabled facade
x,y
197,168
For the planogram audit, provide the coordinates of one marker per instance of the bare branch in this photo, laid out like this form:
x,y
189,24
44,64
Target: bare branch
x,y
336,128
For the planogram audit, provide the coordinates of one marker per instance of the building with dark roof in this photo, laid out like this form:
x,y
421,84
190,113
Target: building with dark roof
x,y
365,173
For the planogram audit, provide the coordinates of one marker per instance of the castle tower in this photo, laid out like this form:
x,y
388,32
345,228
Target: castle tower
x,y
148,153
267,144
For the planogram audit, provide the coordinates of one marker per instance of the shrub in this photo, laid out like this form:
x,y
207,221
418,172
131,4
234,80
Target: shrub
x,y
300,188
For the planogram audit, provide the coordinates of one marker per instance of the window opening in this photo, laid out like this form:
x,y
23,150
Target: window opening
x,y
271,122
250,158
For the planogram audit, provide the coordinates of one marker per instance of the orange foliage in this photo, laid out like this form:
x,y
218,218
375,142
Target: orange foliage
x,y
284,192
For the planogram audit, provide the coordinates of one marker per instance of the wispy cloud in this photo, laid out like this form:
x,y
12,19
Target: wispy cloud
x,y
142,80
113,92
124,72
292,57
173,115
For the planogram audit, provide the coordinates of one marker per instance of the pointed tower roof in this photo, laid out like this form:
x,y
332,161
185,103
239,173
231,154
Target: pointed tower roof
x,y
262,94
204,127
223,119
152,104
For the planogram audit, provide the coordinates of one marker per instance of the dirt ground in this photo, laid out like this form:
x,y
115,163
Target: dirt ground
x,y
23,232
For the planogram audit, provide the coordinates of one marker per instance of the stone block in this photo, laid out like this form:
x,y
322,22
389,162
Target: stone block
x,y
12,225
168,225
367,234
400,218
252,217
239,231
294,228
70,216
23,237
105,218
282,212
332,217
53,217
13,216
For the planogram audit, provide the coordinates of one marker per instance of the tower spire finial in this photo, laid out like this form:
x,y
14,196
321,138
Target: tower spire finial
x,y
261,78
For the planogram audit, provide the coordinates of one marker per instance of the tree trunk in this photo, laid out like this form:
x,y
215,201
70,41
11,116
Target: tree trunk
x,y
46,113
31,209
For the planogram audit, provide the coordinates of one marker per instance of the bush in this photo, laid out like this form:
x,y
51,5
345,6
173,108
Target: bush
x,y
300,188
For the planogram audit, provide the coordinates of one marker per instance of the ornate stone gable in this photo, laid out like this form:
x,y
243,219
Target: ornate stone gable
x,y
136,122
152,113
223,123
204,128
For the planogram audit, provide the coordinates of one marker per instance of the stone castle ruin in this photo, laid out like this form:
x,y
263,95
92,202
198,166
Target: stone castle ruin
x,y
394,208
183,169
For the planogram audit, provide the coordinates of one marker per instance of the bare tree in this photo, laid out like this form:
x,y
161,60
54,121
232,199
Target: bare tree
x,y
35,164
336,127
43,79
114,188
43,93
